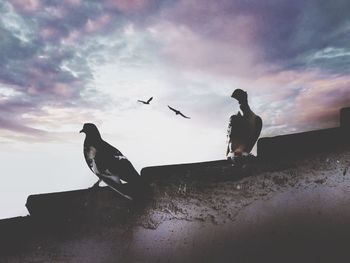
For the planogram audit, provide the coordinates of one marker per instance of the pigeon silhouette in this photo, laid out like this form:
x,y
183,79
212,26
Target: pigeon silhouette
x,y
146,102
177,112
243,130
107,162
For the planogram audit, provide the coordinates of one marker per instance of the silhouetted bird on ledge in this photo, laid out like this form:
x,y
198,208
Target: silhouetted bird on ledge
x,y
107,162
146,102
178,112
243,130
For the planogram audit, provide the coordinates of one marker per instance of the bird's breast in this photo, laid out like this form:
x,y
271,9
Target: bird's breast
x,y
91,152
90,157
241,131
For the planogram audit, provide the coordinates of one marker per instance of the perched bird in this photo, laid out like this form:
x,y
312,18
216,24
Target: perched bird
x,y
107,162
177,112
243,130
146,102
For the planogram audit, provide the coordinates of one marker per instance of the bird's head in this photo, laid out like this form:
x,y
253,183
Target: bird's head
x,y
240,95
90,129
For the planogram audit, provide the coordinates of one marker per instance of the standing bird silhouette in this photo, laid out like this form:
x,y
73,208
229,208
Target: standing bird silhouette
x,y
177,112
107,162
146,102
243,130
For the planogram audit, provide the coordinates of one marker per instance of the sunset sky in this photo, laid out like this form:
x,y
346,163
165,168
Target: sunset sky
x,y
66,62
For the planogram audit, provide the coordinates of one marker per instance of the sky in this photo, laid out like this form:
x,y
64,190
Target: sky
x,y
67,62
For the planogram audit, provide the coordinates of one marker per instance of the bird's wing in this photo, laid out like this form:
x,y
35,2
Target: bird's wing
x,y
111,150
184,116
149,100
172,108
118,164
141,101
124,168
236,132
119,188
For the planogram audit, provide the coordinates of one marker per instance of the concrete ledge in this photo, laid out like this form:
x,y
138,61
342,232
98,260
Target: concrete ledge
x,y
304,143
300,144
72,206
88,204
188,169
14,234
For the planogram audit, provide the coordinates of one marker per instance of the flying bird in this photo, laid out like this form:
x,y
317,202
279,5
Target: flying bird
x,y
146,102
177,112
107,162
244,129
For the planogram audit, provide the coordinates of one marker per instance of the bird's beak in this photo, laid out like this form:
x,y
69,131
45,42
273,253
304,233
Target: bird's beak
x,y
82,131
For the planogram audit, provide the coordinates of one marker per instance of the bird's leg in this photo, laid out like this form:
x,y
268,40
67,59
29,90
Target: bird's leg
x,y
97,184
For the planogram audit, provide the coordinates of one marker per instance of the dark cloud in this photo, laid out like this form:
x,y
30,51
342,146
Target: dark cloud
x,y
285,33
289,31
37,66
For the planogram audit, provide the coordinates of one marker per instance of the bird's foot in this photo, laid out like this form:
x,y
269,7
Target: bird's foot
x,y
241,161
237,161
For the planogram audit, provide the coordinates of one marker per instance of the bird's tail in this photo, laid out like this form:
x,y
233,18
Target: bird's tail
x,y
121,189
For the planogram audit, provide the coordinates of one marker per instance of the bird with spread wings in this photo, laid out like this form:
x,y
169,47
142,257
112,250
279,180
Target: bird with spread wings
x,y
177,112
146,102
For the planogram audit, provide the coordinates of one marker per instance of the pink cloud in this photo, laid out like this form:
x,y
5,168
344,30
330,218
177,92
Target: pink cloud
x,y
26,5
73,2
48,33
206,37
33,91
95,25
57,11
221,54
323,100
302,100
72,37
62,90
130,6
213,19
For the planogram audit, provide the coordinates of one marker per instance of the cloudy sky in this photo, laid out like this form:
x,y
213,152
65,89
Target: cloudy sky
x,y
66,62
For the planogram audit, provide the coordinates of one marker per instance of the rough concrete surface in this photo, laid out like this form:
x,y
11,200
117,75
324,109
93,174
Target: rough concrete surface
x,y
286,211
